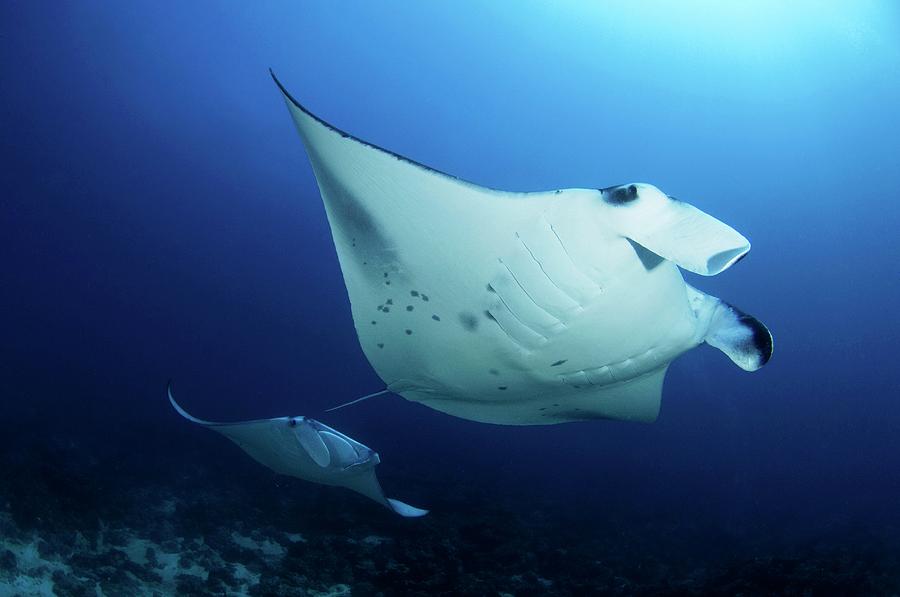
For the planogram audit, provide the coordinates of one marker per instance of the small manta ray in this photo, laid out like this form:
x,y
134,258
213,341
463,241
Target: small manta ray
x,y
304,448
522,308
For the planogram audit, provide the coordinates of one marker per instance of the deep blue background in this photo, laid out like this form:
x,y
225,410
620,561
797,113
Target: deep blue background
x,y
159,218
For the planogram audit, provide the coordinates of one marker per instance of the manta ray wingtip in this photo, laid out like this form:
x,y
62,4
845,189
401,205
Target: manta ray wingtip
x,y
181,411
172,401
405,510
282,88
171,395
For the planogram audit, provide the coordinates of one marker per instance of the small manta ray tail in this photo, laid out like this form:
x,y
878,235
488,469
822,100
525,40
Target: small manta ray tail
x,y
309,450
743,338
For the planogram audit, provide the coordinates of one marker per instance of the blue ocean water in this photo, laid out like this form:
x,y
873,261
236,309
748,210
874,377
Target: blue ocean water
x,y
160,220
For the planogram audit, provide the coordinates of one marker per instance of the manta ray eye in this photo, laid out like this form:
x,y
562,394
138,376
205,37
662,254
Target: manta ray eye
x,y
292,422
620,195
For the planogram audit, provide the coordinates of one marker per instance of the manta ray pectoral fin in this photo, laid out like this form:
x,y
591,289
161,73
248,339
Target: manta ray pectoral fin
x,y
673,229
743,338
183,412
367,484
406,510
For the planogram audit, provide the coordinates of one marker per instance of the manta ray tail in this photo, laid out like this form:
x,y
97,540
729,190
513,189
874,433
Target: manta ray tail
x,y
366,397
743,338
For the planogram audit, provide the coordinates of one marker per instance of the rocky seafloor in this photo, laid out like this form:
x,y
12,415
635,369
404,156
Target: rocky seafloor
x,y
72,525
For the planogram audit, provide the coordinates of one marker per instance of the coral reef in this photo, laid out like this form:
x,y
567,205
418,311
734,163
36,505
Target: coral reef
x,y
72,527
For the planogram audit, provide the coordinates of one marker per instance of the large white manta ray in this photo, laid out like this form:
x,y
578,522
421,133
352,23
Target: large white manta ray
x,y
522,308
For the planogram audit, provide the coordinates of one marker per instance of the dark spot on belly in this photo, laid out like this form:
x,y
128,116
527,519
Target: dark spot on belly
x,y
381,307
558,363
386,309
413,293
388,283
409,307
435,317
380,345
425,297
389,302
468,321
543,408
501,387
385,274
555,405
374,322
409,332
493,372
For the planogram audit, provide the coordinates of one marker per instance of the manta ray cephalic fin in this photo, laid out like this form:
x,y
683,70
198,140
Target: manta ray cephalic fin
x,y
678,231
743,338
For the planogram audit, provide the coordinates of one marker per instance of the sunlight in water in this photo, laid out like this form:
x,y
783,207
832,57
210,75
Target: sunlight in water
x,y
759,33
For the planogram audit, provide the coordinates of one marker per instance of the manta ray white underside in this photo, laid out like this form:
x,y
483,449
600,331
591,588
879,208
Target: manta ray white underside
x,y
522,308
